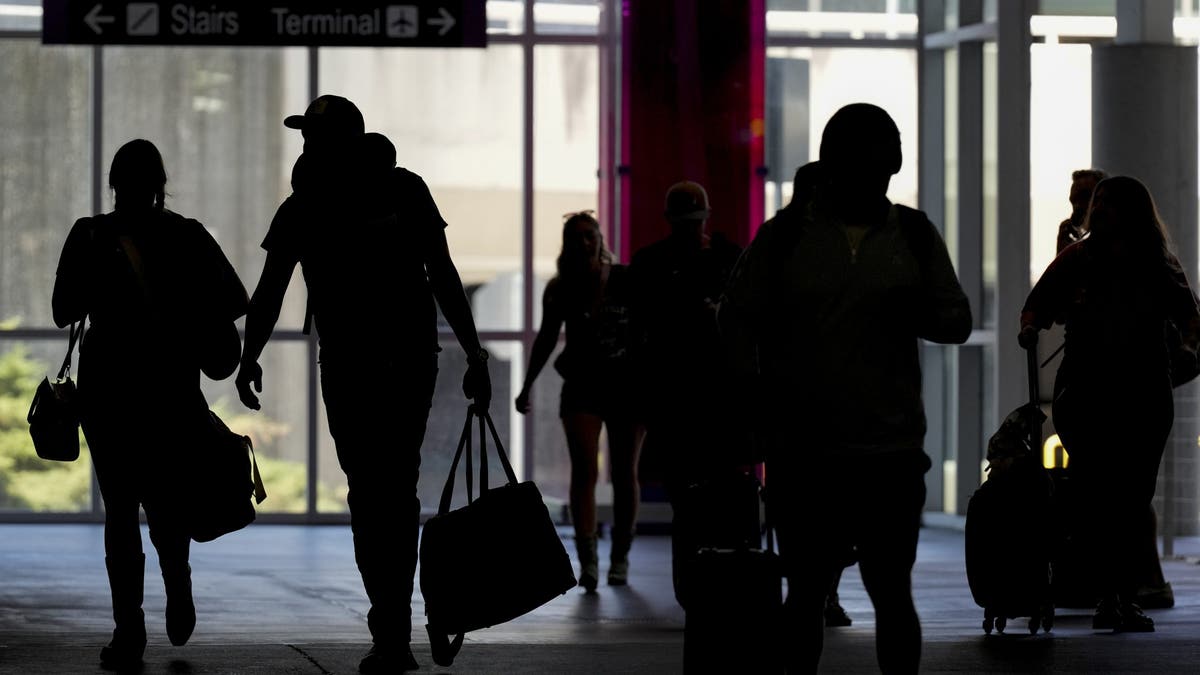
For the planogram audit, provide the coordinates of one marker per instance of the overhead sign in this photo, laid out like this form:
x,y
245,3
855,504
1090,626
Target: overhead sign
x,y
363,23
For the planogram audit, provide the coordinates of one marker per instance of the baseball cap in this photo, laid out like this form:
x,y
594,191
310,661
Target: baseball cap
x,y
332,114
687,200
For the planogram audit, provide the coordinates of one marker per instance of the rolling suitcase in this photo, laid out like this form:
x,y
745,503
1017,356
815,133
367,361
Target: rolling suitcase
x,y
734,609
1010,531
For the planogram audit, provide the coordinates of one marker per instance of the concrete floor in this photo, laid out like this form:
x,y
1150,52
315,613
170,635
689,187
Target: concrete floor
x,y
287,599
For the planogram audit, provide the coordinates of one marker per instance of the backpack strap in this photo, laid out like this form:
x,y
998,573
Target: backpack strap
x,y
308,315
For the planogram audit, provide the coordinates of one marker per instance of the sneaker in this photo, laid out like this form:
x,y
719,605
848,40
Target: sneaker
x,y
1107,616
589,577
836,616
1156,597
1134,621
379,659
618,573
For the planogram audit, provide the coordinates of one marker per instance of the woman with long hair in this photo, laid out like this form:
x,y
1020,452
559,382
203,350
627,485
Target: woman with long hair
x,y
590,294
148,281
1119,291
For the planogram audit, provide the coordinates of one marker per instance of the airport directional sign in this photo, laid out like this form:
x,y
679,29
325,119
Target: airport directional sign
x,y
347,23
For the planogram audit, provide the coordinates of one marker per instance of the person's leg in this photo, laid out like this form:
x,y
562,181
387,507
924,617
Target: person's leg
x,y
624,444
123,557
835,614
809,535
171,540
583,443
887,548
378,424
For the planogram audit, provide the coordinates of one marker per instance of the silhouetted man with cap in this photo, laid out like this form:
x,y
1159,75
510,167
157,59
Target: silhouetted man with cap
x,y
689,435
374,257
829,308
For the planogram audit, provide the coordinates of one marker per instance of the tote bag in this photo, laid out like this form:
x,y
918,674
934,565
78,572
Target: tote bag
x,y
492,560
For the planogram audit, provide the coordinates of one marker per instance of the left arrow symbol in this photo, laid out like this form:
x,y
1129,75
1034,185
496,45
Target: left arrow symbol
x,y
94,20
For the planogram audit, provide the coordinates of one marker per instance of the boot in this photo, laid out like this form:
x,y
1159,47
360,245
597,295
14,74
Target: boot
x,y
589,564
181,610
618,566
125,579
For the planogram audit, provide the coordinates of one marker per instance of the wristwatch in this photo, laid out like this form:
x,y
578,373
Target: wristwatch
x,y
479,356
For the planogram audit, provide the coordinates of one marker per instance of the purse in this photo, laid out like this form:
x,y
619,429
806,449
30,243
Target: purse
x,y
226,482
54,414
492,560
1183,363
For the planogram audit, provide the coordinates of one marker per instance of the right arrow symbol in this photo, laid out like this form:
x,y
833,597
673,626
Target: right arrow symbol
x,y
94,20
446,21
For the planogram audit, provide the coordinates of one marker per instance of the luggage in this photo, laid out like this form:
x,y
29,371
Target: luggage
x,y
1011,530
492,560
734,613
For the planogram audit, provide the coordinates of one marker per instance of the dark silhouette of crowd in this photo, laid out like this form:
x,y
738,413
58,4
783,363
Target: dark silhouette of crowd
x,y
701,361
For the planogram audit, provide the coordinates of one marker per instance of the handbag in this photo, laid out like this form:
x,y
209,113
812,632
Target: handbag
x,y
492,560
54,414
226,482
1183,363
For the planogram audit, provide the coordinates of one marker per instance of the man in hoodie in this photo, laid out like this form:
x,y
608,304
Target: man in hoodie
x,y
827,306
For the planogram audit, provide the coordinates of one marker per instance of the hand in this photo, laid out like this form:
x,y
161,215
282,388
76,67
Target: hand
x,y
1028,337
523,406
249,373
477,384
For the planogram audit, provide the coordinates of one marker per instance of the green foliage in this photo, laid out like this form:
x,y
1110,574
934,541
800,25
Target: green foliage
x,y
27,482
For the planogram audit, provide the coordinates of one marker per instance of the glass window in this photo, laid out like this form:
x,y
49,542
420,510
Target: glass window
x,y
279,431
1060,134
950,148
574,17
28,483
951,14
455,118
855,19
21,15
505,17
991,187
806,86
46,182
567,148
217,117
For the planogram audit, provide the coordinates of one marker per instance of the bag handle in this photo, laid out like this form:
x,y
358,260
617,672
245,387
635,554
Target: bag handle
x,y
464,447
76,337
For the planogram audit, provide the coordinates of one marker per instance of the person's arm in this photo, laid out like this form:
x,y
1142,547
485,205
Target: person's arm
x,y
265,305
448,291
740,311
944,316
543,345
1184,308
263,313
1044,304
69,300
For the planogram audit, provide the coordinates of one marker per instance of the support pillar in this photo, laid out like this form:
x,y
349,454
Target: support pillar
x,y
1144,125
692,88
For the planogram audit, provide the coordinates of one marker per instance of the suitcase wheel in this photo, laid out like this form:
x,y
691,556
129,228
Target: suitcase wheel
x,y
988,622
1033,624
1001,623
1048,620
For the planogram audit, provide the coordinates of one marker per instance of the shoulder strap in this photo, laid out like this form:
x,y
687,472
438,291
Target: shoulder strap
x,y
76,338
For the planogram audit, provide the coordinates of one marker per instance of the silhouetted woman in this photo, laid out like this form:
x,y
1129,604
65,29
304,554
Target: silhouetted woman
x,y
1116,291
590,295
145,279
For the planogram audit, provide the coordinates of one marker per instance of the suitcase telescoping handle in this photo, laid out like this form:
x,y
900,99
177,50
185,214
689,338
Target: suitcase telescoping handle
x,y
1031,359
